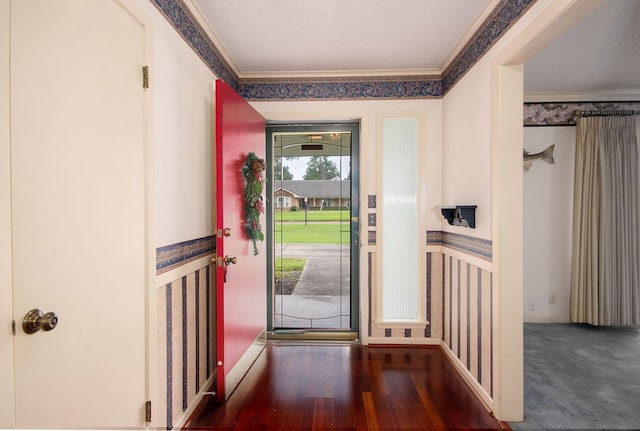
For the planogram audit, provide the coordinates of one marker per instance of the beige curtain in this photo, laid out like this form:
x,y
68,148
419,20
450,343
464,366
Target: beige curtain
x,y
605,272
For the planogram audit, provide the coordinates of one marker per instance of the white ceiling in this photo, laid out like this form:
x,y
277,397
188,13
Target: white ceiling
x,y
295,38
599,58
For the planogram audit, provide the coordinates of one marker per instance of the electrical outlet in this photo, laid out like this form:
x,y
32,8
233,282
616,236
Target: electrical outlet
x,y
553,298
532,305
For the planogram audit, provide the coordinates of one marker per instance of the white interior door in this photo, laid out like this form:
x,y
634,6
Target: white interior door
x,y
78,212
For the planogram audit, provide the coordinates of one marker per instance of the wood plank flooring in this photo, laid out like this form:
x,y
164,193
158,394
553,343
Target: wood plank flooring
x,y
348,387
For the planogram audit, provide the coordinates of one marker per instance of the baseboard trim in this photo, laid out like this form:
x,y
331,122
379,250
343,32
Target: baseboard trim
x,y
387,341
468,377
312,336
207,390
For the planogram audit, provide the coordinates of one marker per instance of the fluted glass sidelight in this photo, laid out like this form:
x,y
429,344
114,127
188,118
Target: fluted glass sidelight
x,y
400,218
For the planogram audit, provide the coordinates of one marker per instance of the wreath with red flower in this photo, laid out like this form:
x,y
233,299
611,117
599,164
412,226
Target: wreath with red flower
x,y
253,203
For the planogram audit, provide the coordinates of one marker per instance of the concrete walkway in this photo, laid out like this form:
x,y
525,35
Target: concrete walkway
x,y
311,250
321,297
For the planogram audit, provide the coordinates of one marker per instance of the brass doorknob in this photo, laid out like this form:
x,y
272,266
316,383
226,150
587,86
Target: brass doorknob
x,y
229,260
36,320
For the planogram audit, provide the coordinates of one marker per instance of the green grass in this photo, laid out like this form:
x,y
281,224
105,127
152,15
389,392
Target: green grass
x,y
312,215
287,264
317,233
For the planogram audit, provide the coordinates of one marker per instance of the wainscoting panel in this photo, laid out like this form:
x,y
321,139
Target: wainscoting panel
x,y
185,343
435,294
468,318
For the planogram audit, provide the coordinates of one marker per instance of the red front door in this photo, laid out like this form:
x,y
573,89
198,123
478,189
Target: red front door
x,y
241,288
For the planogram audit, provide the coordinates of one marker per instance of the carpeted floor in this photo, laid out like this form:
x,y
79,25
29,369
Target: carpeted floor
x,y
580,377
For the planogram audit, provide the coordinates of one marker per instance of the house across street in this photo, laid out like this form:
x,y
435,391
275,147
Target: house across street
x,y
318,194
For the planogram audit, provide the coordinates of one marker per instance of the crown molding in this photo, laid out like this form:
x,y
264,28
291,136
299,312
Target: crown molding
x,y
323,74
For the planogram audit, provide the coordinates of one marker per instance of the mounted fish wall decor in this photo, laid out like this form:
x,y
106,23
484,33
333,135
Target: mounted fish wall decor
x,y
546,155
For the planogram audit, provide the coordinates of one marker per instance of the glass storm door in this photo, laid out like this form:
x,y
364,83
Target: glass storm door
x,y
314,217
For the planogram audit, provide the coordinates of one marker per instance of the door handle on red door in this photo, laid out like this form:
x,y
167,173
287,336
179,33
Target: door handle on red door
x,y
226,232
36,320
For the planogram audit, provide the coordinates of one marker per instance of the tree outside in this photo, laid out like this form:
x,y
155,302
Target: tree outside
x,y
281,172
321,168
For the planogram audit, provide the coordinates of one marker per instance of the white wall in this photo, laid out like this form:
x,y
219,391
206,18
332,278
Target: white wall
x,y
466,153
184,118
548,206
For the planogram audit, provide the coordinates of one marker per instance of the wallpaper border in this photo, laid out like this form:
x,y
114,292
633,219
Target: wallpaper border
x,y
171,256
564,113
402,87
504,15
478,247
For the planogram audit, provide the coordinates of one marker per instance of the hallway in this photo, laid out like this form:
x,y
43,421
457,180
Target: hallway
x,y
348,386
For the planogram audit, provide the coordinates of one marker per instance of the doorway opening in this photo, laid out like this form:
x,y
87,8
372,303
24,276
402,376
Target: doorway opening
x,y
313,218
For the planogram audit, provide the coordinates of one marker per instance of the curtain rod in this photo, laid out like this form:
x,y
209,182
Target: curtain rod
x,y
606,113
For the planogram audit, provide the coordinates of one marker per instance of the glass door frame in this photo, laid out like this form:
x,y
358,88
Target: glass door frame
x,y
321,127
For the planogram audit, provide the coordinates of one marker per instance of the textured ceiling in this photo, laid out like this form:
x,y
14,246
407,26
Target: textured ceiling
x,y
282,37
598,56
293,38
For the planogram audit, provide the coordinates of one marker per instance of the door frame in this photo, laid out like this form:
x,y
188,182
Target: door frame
x,y
353,127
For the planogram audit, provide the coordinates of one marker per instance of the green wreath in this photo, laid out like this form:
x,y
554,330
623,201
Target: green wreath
x,y
253,203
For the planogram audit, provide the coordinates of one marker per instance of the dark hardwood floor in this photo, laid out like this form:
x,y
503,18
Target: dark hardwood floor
x,y
348,387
